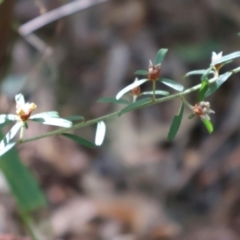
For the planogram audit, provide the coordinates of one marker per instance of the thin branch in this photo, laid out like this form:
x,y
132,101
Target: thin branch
x,y
56,14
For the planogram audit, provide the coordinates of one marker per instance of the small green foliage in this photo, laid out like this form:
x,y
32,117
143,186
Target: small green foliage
x,y
205,74
80,140
208,125
160,55
22,183
135,105
112,100
141,72
191,116
197,72
172,84
202,90
176,123
213,87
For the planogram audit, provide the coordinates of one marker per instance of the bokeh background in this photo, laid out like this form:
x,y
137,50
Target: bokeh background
x,y
138,185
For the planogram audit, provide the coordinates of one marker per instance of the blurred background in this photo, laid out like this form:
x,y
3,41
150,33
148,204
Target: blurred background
x,y
138,185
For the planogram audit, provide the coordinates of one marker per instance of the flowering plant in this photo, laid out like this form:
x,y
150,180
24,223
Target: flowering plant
x,y
208,85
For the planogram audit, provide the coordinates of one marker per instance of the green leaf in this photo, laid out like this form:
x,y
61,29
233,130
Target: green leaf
x,y
213,87
197,72
75,118
176,123
191,116
158,92
100,133
10,135
22,183
208,124
202,91
226,58
141,72
112,100
51,114
205,74
80,140
172,84
135,105
59,122
6,148
160,55
8,117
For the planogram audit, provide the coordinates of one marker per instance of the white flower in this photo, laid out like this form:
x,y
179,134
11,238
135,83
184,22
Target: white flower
x,y
24,111
216,56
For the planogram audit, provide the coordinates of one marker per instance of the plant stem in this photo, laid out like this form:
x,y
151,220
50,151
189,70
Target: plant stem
x,y
22,131
154,89
115,114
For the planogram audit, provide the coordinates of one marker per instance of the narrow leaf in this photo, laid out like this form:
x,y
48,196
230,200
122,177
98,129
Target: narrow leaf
x,y
52,114
191,116
19,98
135,105
205,74
172,84
112,100
7,118
22,183
226,58
10,135
202,91
213,87
141,72
197,72
176,124
158,92
6,148
130,87
208,124
75,118
100,133
160,55
60,122
80,140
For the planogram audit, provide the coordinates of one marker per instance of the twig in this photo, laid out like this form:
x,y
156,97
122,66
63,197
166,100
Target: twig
x,y
56,14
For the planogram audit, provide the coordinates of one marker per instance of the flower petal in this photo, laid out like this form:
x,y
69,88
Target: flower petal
x,y
60,122
100,133
130,87
19,98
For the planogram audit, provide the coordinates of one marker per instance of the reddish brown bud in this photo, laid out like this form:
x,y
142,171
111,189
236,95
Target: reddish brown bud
x,y
154,71
136,91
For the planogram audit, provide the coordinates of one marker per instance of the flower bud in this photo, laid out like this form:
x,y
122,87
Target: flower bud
x,y
203,110
154,71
